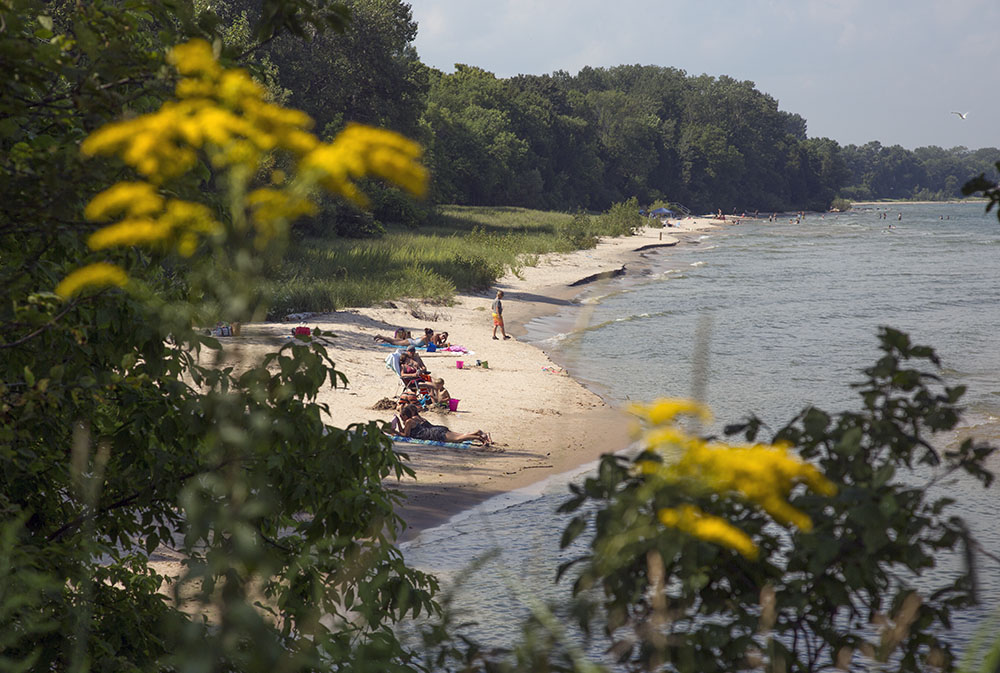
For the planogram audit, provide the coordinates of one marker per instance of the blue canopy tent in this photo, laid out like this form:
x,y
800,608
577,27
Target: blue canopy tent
x,y
661,211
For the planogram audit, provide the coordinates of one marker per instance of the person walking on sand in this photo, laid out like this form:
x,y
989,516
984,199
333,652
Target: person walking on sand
x,y
498,315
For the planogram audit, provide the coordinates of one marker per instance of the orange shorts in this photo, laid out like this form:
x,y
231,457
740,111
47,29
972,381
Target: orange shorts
x,y
497,320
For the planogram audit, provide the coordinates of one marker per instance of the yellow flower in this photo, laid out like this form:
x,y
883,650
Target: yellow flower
x,y
236,85
134,231
190,87
177,215
134,199
691,520
272,204
94,276
195,57
299,142
359,151
222,116
666,409
187,244
196,217
764,475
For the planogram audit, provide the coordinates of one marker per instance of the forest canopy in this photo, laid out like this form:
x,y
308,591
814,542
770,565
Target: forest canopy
x,y
586,141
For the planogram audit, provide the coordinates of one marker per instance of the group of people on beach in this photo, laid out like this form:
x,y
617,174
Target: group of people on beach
x,y
403,337
421,390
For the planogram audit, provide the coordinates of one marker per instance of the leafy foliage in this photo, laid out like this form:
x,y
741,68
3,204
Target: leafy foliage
x,y
124,435
808,602
622,219
989,189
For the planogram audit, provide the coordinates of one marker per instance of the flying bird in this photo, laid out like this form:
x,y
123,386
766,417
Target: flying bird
x,y
961,115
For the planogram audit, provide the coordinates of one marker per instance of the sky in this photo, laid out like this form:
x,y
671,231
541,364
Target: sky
x,y
856,70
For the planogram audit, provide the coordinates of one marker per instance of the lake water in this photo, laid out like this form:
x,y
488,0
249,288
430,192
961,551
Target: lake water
x,y
764,318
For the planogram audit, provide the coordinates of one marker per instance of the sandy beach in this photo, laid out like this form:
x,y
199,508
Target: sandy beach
x,y
542,421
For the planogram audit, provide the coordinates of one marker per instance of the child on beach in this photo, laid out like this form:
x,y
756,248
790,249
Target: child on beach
x,y
497,309
439,394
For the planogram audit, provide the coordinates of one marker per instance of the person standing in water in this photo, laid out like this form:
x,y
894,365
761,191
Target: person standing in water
x,y
497,309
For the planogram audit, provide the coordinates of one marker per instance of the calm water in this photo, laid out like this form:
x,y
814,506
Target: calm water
x,y
764,318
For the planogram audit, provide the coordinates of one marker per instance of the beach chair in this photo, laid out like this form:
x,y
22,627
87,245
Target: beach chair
x,y
420,384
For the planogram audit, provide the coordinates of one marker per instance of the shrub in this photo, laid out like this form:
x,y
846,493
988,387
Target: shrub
x,y
622,219
701,579
578,232
841,204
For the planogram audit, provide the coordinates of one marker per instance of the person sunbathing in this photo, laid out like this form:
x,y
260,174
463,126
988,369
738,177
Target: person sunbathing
x,y
407,341
441,339
417,427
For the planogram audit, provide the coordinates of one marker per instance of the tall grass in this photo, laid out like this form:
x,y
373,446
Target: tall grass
x,y
462,248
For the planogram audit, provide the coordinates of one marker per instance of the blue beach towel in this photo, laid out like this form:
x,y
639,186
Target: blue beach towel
x,y
419,348
450,445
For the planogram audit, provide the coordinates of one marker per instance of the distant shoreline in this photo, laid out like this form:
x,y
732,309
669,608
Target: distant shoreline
x,y
897,202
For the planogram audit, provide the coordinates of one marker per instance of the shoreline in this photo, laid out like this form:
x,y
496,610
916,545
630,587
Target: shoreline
x,y
900,202
543,421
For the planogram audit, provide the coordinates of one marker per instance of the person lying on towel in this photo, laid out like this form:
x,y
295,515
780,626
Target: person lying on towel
x,y
427,338
414,425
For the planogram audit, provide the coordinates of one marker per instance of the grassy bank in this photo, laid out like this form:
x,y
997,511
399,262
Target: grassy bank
x,y
463,248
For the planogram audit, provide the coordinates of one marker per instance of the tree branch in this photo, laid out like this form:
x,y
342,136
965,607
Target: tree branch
x,y
68,527
46,326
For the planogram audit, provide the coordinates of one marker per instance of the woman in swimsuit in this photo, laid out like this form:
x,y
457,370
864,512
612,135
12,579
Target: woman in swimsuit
x,y
420,428
427,338
412,368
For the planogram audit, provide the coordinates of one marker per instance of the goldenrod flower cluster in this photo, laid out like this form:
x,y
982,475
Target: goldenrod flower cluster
x,y
148,219
693,521
96,276
363,150
225,115
761,474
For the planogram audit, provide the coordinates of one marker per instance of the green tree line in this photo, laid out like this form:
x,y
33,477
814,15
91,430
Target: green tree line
x,y
564,142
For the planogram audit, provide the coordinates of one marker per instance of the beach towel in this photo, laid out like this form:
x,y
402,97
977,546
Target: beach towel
x,y
392,362
450,445
450,350
419,348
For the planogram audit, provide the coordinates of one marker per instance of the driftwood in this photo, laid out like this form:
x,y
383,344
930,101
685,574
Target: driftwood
x,y
655,245
600,276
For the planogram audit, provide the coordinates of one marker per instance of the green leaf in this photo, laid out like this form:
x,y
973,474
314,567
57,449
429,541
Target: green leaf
x,y
883,474
850,442
572,531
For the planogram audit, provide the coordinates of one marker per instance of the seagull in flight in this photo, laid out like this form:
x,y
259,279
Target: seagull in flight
x,y
961,115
